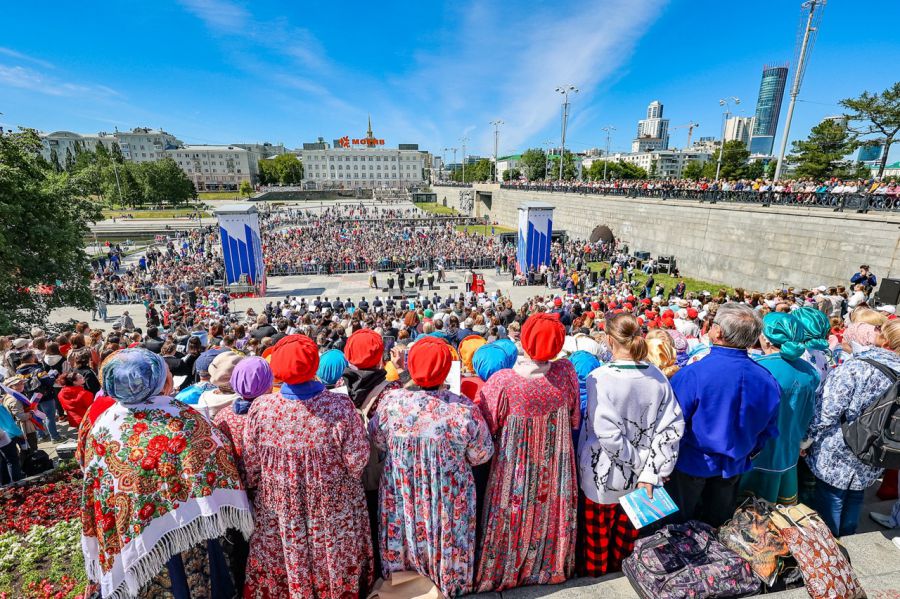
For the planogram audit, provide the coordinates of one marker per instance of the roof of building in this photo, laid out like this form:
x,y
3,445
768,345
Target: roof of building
x,y
209,148
510,157
242,208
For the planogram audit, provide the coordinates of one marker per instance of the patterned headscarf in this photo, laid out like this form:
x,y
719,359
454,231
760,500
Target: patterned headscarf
x,y
132,375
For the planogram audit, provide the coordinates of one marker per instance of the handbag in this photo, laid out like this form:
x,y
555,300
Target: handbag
x,y
687,560
405,585
753,536
826,570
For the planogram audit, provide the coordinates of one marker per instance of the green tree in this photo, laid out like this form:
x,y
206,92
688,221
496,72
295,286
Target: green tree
x,y
734,161
267,174
615,170
116,153
512,174
54,160
570,172
45,222
755,169
534,163
770,169
821,155
288,169
654,168
164,182
102,153
246,189
70,160
877,118
693,170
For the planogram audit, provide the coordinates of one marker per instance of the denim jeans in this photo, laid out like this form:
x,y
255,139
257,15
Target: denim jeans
x,y
839,508
10,466
48,407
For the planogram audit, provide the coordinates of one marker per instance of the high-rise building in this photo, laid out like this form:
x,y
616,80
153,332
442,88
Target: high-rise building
x,y
768,108
738,128
870,152
653,131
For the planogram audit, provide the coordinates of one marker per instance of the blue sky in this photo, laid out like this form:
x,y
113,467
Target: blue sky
x,y
222,71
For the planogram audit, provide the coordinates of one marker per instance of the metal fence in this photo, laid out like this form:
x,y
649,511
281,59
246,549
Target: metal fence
x,y
385,265
451,184
838,202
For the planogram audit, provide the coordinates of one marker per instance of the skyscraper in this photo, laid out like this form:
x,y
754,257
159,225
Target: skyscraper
x,y
768,107
653,131
738,128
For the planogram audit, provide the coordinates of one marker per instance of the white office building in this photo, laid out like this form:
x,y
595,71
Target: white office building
x,y
653,131
217,168
365,167
142,144
739,128
505,163
669,164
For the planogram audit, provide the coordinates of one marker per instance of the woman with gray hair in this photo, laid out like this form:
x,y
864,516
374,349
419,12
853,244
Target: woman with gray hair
x,y
730,405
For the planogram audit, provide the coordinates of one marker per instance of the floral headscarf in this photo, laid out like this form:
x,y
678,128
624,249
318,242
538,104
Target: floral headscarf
x,y
133,375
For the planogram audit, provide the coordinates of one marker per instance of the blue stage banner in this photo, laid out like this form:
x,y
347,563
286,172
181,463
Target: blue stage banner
x,y
241,245
535,236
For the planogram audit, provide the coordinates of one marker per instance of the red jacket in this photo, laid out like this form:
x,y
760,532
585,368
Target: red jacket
x,y
75,401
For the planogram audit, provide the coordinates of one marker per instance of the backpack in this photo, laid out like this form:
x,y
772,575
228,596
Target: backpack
x,y
874,436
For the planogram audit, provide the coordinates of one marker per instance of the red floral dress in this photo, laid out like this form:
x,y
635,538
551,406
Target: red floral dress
x,y
305,459
532,497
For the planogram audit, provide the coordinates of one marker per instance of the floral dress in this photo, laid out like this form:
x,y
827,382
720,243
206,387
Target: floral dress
x,y
532,497
427,490
305,459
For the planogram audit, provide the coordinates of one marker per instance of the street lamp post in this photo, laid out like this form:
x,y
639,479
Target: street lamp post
x,y
608,129
564,90
464,140
496,125
444,160
725,114
549,145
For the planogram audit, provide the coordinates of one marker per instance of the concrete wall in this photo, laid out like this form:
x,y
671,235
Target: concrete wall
x,y
738,245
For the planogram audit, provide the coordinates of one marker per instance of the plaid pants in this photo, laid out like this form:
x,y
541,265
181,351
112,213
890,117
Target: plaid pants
x,y
608,538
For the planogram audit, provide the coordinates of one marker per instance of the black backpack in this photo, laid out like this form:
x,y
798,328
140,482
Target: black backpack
x,y
874,436
36,462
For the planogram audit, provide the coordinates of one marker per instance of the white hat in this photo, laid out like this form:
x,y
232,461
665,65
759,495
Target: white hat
x,y
20,343
822,288
887,309
696,303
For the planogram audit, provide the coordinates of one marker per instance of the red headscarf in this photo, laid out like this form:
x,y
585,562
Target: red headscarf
x,y
295,359
542,336
364,349
429,361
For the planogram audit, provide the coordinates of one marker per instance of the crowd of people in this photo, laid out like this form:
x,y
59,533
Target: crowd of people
x,y
458,440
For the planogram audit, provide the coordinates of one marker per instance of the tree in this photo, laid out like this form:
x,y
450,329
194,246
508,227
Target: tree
x,y
45,222
693,170
102,153
770,169
70,160
512,174
821,155
246,189
570,172
288,169
734,161
534,163
654,168
116,153
164,182
615,170
878,118
54,160
267,174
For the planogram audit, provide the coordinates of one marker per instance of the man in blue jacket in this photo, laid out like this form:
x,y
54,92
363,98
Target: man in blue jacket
x,y
730,406
864,277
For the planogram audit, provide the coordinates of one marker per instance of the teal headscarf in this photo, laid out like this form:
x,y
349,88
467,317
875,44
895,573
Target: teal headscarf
x,y
814,327
331,367
133,375
490,359
785,332
509,347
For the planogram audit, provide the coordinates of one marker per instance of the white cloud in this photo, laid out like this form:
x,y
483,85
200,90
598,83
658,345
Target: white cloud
x,y
24,57
218,15
32,80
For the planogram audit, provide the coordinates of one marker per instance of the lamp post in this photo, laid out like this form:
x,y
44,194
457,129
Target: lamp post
x,y
444,160
549,146
608,129
496,125
725,114
464,140
564,90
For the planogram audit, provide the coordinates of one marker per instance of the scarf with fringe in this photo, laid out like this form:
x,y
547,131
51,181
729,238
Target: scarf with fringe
x,y
158,479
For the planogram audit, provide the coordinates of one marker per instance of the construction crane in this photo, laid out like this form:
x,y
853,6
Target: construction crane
x,y
690,127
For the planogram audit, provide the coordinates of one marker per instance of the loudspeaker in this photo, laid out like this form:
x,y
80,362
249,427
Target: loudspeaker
x,y
889,292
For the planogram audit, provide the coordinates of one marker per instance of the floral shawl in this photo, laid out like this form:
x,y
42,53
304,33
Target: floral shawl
x,y
158,479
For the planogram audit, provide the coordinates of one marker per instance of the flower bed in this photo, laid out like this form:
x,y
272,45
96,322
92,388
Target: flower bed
x,y
40,538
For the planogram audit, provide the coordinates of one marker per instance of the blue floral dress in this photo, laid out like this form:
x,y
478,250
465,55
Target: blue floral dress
x,y
427,494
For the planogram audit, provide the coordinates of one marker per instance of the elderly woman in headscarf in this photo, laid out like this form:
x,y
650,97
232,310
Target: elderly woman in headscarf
x,y
160,487
251,378
432,437
774,473
488,359
532,495
304,452
331,370
213,401
467,349
814,330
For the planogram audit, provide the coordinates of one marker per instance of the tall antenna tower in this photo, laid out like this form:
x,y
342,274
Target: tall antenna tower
x,y
807,31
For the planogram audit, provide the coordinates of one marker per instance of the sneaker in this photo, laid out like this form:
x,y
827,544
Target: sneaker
x,y
882,520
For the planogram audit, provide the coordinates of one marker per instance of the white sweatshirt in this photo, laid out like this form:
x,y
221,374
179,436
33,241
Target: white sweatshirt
x,y
631,432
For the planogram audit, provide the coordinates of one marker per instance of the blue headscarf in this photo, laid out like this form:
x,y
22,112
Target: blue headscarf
x,y
133,375
584,363
509,347
784,332
491,358
331,367
814,327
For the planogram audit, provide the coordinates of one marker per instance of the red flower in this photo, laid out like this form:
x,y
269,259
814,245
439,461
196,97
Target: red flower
x,y
109,522
147,510
140,427
149,462
99,448
140,415
158,444
210,478
177,444
175,425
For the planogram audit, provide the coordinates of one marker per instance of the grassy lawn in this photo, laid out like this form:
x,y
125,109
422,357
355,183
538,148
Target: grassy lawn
x,y
435,208
484,229
171,213
220,195
669,281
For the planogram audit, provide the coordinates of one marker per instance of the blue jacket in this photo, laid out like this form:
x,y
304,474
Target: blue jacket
x,y
730,406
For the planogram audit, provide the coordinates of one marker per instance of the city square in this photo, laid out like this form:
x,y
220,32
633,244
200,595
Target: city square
x,y
491,300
